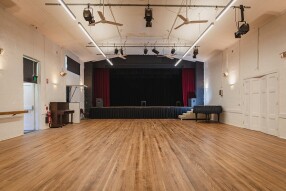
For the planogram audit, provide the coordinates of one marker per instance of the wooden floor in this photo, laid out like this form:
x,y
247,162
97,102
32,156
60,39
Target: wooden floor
x,y
143,155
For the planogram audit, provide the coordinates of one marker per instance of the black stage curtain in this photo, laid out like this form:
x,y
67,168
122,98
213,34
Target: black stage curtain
x,y
158,87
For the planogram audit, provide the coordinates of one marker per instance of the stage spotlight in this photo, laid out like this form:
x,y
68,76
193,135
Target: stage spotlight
x,y
173,51
87,14
148,16
116,51
244,28
145,50
155,51
196,52
121,51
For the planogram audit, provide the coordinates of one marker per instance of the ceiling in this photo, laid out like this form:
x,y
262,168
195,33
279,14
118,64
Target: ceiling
x,y
56,24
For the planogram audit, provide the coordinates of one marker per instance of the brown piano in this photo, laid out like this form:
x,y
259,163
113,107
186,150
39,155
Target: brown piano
x,y
60,114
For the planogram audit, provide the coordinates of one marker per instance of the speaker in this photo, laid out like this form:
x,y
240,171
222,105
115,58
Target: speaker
x,y
192,102
98,102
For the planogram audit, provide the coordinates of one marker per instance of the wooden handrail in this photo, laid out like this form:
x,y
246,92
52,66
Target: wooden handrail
x,y
13,112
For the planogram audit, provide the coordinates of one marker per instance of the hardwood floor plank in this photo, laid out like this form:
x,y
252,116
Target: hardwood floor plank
x,y
143,154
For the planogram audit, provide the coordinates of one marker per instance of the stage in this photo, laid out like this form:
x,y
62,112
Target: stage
x,y
137,112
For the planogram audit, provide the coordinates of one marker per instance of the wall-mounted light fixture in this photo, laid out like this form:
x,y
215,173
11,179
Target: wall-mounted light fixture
x,y
220,93
225,74
63,73
283,55
1,51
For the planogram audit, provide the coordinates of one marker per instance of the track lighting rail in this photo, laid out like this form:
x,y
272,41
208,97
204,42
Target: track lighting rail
x,y
138,46
138,5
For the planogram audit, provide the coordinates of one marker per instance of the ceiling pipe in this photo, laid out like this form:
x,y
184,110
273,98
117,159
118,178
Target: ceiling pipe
x,y
138,5
138,46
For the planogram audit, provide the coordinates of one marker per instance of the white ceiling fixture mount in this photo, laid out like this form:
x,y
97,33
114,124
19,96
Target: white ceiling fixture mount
x,y
186,19
94,43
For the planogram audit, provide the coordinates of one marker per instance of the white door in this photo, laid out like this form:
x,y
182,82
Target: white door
x,y
272,104
263,104
29,104
255,104
246,102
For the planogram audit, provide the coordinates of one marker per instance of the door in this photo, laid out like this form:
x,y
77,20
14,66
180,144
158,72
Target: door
x,y
29,104
246,102
263,104
255,104
272,104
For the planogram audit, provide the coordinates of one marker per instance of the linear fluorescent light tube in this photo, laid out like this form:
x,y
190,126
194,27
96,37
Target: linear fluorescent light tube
x,y
225,10
196,42
200,38
93,41
178,62
67,9
109,62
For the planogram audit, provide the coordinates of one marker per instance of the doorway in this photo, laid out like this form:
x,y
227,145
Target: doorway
x,y
30,94
261,103
29,105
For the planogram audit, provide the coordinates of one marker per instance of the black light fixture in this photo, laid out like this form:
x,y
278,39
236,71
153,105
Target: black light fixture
x,y
145,50
173,51
195,52
155,51
243,28
148,16
121,51
88,15
92,22
116,51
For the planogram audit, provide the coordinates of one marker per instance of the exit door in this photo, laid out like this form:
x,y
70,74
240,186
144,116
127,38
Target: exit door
x,y
29,105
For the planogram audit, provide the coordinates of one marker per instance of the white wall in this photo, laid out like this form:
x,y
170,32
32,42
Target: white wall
x,y
18,39
256,54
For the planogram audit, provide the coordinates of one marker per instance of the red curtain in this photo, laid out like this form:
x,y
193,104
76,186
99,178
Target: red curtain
x,y
101,86
188,84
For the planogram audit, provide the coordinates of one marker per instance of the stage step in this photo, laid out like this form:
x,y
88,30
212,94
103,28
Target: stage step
x,y
191,115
